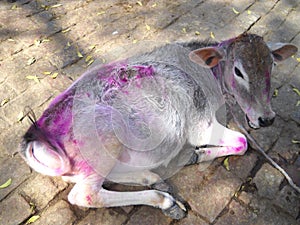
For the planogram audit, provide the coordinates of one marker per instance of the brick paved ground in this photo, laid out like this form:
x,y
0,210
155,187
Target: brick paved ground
x,y
41,36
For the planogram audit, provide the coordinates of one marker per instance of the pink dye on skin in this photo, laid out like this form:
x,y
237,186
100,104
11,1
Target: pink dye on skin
x,y
233,85
59,171
84,167
242,146
89,199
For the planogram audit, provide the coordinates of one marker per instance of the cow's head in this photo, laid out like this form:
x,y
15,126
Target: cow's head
x,y
243,65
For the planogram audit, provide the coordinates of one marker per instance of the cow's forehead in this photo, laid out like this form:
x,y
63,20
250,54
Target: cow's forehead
x,y
252,52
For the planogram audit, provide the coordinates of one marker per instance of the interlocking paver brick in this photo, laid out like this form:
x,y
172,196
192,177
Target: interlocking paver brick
x,y
288,201
43,16
21,83
296,41
263,7
43,47
220,186
267,211
103,217
188,179
60,213
65,57
33,7
4,124
245,197
275,217
295,83
191,219
56,85
41,190
7,92
13,64
285,147
267,136
10,139
14,210
267,181
148,215
285,106
13,168
10,47
237,214
238,167
245,19
283,74
74,71
28,98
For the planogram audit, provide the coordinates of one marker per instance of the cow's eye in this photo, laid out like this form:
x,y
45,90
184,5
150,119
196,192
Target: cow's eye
x,y
238,73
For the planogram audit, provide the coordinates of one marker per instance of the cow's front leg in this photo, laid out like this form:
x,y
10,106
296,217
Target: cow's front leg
x,y
218,141
95,196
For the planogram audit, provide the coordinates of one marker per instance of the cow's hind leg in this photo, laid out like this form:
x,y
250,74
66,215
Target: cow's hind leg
x,y
94,195
143,178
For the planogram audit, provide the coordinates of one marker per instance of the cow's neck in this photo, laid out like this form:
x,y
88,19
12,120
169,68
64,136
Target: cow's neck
x,y
218,72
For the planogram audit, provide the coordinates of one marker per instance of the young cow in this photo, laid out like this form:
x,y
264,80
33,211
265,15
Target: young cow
x,y
128,121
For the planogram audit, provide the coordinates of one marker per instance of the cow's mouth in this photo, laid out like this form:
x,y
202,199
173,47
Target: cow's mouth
x,y
252,125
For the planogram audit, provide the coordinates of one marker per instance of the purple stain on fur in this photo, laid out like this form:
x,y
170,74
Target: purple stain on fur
x,y
116,75
243,145
266,91
144,71
58,122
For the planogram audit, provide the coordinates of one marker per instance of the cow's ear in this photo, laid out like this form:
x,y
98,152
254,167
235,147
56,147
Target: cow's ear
x,y
282,51
206,57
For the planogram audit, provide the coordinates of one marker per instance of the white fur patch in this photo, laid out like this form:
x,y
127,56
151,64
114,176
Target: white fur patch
x,y
242,81
168,201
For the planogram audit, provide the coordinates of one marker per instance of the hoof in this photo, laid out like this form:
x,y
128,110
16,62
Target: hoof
x,y
193,160
177,211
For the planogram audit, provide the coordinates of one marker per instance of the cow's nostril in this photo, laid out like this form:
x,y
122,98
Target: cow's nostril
x,y
264,122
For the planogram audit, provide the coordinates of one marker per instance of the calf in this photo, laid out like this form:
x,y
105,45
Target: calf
x,y
128,121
